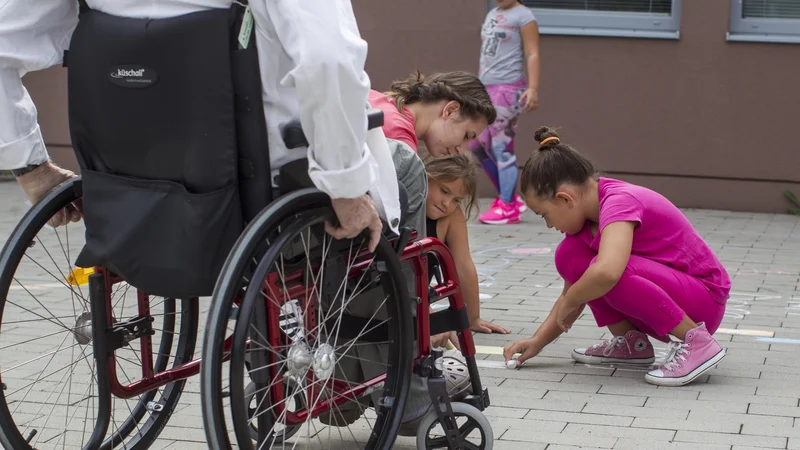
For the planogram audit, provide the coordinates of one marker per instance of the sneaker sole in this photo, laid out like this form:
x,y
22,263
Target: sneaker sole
x,y
586,359
689,377
501,222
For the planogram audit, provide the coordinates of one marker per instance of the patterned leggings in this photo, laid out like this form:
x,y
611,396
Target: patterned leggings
x,y
494,148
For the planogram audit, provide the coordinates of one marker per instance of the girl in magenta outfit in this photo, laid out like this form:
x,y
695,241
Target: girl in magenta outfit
x,y
634,258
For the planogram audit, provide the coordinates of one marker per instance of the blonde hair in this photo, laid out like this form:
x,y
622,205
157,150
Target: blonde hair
x,y
462,87
445,169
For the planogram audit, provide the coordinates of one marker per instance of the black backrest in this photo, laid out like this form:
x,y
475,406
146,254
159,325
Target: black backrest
x,y
168,127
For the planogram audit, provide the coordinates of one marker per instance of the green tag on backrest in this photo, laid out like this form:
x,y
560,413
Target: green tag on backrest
x,y
247,28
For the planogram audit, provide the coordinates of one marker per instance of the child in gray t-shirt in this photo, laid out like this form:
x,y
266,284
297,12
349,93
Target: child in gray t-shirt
x,y
502,54
509,50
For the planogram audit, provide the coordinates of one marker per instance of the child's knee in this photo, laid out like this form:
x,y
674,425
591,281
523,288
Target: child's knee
x,y
572,258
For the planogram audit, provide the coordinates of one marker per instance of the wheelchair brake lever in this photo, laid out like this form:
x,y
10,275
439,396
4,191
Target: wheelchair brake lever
x,y
402,241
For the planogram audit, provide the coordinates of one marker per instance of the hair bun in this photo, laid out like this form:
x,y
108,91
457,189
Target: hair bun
x,y
547,138
545,133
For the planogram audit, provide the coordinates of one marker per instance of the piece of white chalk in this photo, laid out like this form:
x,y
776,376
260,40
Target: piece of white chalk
x,y
511,364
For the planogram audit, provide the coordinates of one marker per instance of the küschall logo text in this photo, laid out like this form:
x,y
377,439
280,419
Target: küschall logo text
x,y
121,73
132,76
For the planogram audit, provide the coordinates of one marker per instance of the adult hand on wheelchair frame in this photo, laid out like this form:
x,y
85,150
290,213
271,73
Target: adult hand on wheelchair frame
x,y
38,182
355,215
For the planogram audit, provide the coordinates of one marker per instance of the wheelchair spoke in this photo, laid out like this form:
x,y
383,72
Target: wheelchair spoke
x,y
122,297
320,276
37,338
51,409
63,278
66,256
85,357
260,413
57,322
69,419
52,355
278,419
370,319
363,359
374,327
312,288
17,322
47,401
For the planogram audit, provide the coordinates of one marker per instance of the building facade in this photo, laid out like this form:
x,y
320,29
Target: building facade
x,y
698,99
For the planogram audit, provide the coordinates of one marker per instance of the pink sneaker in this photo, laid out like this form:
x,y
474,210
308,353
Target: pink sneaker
x,y
519,203
500,213
687,360
633,348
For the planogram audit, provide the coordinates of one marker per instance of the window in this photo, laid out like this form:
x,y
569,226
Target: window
x,y
625,18
765,20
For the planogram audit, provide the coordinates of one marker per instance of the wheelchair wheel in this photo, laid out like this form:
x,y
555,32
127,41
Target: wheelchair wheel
x,y
295,401
473,426
49,396
283,302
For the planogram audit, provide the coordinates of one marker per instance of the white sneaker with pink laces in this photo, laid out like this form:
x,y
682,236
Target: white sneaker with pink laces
x,y
689,359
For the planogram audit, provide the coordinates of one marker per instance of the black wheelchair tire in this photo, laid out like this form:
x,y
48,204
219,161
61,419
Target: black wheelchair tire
x,y
229,284
142,435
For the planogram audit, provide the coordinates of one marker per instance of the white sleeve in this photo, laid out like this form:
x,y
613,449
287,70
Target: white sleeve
x,y
33,36
322,39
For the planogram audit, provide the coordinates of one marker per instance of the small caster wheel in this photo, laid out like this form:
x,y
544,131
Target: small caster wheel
x,y
281,433
475,429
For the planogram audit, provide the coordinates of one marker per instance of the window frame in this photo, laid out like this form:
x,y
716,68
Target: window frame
x,y
741,29
608,24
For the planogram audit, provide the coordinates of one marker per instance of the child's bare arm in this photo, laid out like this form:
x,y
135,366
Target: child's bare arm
x,y
544,335
457,240
549,330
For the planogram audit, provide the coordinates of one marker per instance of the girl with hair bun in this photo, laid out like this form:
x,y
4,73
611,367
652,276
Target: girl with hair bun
x,y
634,258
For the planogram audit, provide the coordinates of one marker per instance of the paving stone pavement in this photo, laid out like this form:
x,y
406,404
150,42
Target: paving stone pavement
x,y
751,401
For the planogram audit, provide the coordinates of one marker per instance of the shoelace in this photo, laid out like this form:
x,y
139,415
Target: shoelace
x,y
676,351
612,343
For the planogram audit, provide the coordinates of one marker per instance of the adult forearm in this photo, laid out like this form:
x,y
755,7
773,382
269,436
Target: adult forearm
x,y
332,88
21,142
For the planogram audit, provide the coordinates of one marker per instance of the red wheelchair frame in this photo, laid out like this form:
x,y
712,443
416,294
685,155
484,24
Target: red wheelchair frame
x,y
417,252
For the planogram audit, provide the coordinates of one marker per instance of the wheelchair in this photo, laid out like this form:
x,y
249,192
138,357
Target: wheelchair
x,y
99,321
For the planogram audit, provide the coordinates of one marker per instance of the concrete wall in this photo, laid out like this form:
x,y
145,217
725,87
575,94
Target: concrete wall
x,y
707,122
